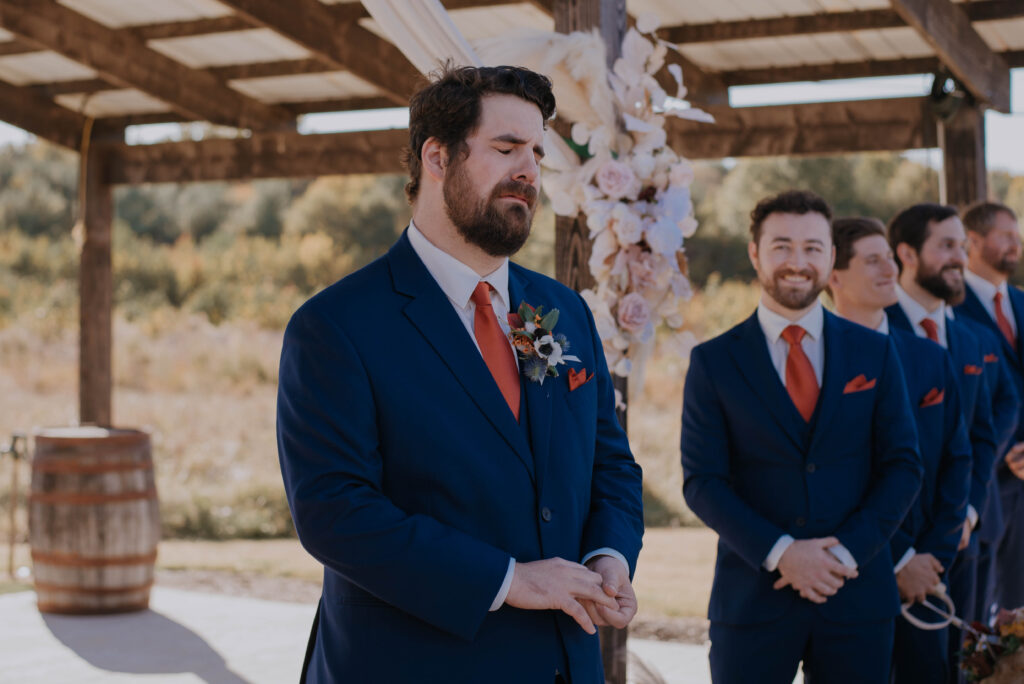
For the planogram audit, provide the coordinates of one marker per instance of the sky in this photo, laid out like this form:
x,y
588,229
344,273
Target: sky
x,y
1004,132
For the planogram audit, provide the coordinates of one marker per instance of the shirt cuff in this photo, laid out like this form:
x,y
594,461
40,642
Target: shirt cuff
x,y
843,555
904,559
972,516
499,600
775,555
607,551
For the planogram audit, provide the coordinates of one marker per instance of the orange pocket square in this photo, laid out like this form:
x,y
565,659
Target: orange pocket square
x,y
991,358
859,384
934,396
971,369
578,378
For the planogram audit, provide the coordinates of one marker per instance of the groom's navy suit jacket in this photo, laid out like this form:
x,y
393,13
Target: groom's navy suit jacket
x,y
411,481
755,470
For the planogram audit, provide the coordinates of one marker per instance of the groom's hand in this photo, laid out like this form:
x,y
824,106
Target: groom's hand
x,y
558,584
617,585
812,570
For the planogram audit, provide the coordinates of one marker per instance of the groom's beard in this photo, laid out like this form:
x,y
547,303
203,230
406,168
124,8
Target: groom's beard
x,y
498,230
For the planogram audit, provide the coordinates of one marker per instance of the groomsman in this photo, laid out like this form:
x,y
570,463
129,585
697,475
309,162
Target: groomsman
x,y
994,248
928,244
862,284
799,449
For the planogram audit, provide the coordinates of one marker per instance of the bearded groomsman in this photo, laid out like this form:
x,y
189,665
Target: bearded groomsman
x,y
928,243
994,247
862,284
799,449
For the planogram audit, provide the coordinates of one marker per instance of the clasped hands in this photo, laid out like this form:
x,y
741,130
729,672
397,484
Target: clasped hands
x,y
595,595
808,566
1015,460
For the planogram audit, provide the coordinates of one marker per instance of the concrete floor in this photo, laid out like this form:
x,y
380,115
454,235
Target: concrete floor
x,y
193,638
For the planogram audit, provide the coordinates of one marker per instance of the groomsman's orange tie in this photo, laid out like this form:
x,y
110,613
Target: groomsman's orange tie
x,y
1003,322
801,383
931,329
494,346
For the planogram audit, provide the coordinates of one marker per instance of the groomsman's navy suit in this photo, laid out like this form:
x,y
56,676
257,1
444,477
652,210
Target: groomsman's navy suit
x,y
755,470
411,481
934,522
1009,582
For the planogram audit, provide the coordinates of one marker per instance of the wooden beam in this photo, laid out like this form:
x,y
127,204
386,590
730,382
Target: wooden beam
x,y
342,45
40,116
96,292
818,128
290,67
949,32
338,105
83,86
263,155
824,22
122,59
831,71
964,177
183,29
16,47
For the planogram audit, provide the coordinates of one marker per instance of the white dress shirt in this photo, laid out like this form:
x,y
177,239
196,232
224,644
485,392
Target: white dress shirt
x,y
457,281
813,344
986,292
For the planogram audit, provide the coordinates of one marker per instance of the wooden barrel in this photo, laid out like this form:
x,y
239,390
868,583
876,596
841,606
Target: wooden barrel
x,y
94,520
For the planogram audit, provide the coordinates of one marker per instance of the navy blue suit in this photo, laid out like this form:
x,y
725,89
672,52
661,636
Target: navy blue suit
x,y
755,470
411,481
964,349
1009,575
934,522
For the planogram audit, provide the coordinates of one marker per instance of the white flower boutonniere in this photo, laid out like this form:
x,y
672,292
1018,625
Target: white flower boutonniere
x,y
540,349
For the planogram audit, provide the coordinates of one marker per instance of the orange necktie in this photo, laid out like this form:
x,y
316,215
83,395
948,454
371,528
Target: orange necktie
x,y
931,329
1003,322
801,383
494,346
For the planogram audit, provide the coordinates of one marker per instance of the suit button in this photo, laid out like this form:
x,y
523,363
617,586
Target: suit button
x,y
810,467
800,522
545,514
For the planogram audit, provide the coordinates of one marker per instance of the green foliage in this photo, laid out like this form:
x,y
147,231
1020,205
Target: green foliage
x,y
37,189
259,513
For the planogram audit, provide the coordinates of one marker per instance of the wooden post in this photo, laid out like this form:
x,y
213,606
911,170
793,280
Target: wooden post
x,y
96,290
573,244
964,177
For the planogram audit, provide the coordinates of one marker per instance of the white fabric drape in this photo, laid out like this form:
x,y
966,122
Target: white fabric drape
x,y
426,35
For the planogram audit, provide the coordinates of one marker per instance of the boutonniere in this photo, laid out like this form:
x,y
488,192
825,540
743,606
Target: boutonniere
x,y
540,350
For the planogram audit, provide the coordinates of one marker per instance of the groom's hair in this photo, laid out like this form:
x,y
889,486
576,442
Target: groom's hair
x,y
913,225
448,108
847,232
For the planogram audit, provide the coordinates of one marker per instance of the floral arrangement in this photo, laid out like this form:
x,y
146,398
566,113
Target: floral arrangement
x,y
540,350
632,187
994,655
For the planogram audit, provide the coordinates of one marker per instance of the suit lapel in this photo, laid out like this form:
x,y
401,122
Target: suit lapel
x,y
973,307
538,397
833,377
750,353
432,314
1017,305
898,318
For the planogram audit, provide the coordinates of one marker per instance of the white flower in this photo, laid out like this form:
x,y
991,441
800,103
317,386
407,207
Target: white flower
x,y
648,22
623,368
643,164
603,319
688,226
548,349
680,285
627,225
617,180
681,174
664,237
634,312
580,133
602,253
675,203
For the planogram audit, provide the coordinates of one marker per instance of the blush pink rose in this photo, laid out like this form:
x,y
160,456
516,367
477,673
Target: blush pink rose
x,y
616,179
634,313
643,270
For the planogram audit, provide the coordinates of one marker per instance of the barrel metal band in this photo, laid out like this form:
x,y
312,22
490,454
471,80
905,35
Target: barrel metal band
x,y
78,561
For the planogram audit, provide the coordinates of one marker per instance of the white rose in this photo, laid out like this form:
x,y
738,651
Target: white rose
x,y
681,174
688,226
605,247
664,237
627,225
617,180
623,368
643,165
634,312
675,203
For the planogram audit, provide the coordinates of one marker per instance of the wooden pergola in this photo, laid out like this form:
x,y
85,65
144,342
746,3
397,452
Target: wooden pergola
x,y
75,69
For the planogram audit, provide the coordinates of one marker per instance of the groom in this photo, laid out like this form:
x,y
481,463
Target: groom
x,y
474,524
799,450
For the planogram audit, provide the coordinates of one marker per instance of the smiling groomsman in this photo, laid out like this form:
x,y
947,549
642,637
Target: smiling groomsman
x,y
994,248
862,284
928,243
799,450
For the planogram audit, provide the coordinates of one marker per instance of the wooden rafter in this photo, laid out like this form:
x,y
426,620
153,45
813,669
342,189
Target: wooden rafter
x,y
183,29
264,155
826,22
122,59
818,128
949,32
343,45
37,114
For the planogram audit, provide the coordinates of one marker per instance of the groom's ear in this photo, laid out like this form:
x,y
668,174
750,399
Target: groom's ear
x,y
435,158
